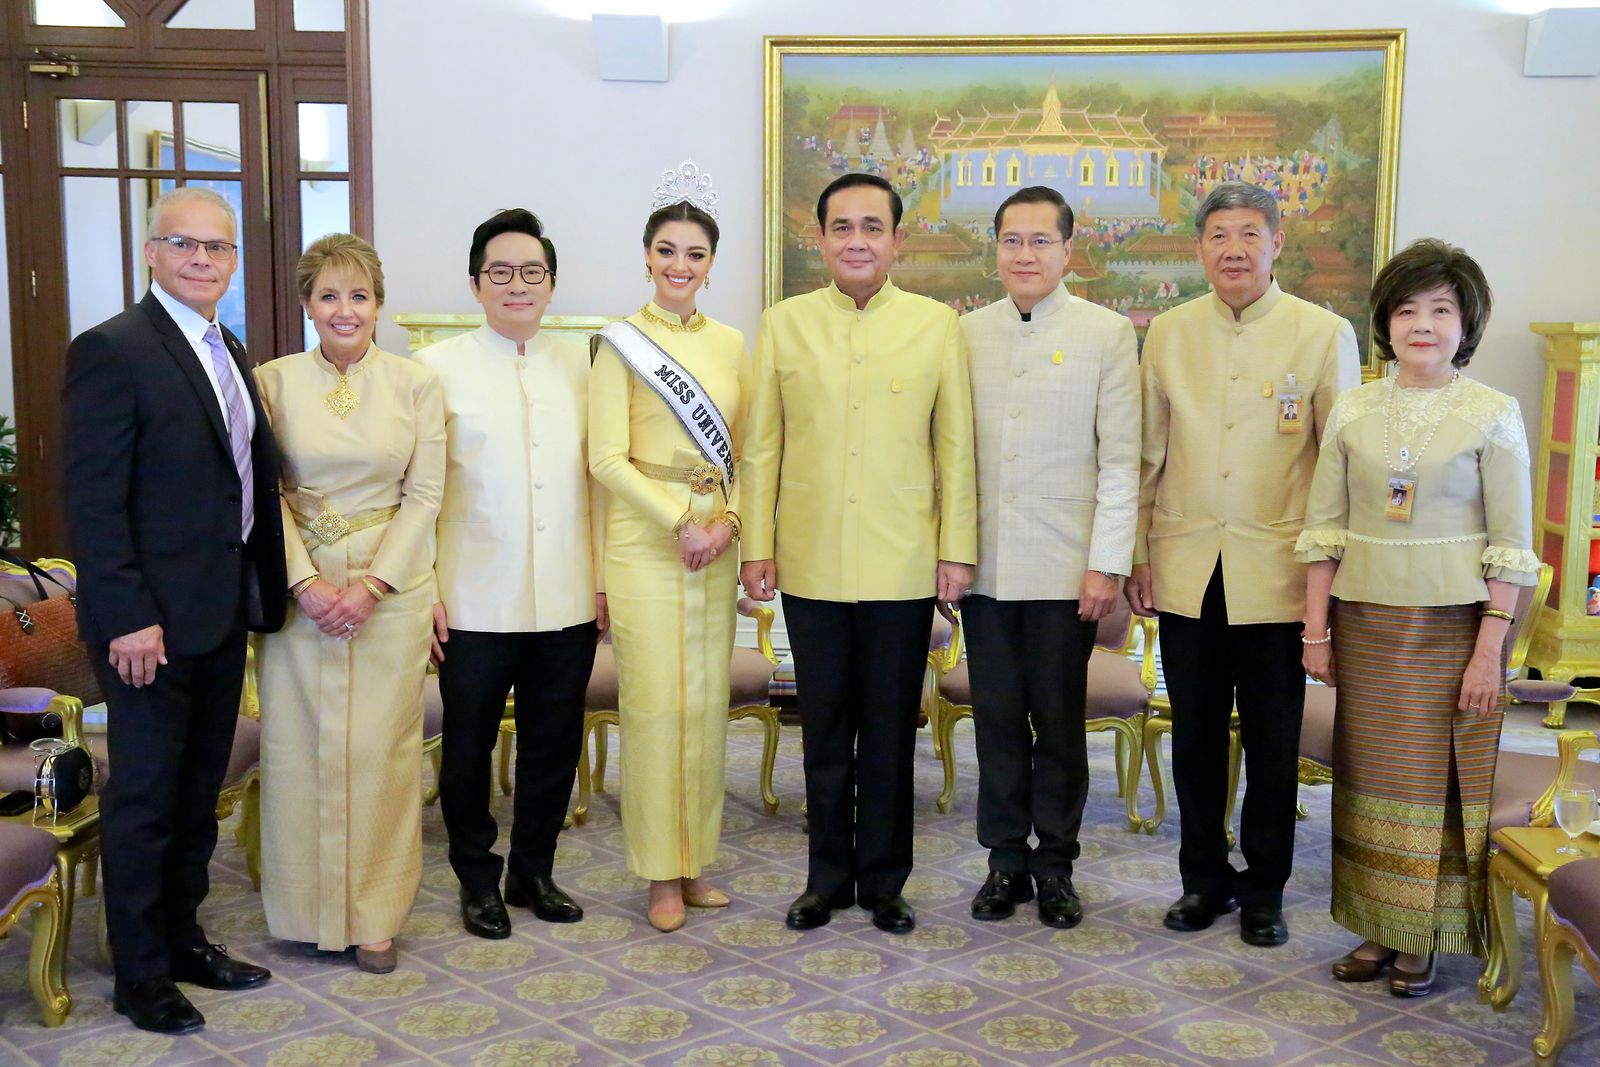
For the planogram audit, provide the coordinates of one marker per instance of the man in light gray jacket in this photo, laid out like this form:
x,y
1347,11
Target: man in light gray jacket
x,y
1055,388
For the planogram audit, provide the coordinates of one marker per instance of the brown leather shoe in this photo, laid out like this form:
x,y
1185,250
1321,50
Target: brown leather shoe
x,y
377,960
1353,968
1413,983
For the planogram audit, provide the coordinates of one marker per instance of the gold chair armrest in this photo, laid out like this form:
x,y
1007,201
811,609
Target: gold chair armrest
x,y
1573,743
1147,658
764,617
1519,648
71,711
948,658
250,695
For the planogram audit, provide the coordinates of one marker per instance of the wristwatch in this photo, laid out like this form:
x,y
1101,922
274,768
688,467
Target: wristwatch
x,y
1113,577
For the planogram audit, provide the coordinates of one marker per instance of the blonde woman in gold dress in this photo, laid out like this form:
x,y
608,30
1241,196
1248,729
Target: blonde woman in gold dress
x,y
362,435
671,568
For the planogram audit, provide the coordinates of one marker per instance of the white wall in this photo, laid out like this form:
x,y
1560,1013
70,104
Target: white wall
x,y
1499,163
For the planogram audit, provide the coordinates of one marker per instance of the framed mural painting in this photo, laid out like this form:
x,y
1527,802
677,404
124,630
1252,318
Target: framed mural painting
x,y
1132,131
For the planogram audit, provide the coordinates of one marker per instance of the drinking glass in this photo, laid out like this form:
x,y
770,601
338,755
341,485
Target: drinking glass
x,y
1575,813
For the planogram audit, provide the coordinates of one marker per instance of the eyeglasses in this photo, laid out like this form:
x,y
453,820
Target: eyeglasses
x,y
532,273
186,245
1013,243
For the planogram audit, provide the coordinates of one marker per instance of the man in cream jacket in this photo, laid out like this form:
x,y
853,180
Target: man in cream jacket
x,y
1238,385
1055,391
858,490
517,569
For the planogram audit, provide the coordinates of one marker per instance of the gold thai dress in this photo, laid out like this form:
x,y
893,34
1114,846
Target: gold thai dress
x,y
341,721
672,629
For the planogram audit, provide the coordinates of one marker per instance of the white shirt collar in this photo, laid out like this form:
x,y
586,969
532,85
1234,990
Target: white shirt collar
x,y
498,343
190,322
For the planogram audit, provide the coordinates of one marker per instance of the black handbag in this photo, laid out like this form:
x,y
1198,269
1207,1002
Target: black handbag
x,y
65,778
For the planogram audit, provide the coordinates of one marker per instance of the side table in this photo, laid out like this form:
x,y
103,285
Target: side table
x,y
1520,861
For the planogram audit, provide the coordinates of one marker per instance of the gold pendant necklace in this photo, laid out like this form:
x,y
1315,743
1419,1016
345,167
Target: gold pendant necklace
x,y
694,325
343,400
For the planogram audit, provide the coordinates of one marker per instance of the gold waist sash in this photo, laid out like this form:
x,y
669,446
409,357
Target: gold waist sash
x,y
701,479
316,517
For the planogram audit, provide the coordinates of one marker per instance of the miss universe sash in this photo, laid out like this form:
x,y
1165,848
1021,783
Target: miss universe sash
x,y
678,389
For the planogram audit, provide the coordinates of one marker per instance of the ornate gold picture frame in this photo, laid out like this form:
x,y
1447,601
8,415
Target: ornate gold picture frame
x,y
1131,130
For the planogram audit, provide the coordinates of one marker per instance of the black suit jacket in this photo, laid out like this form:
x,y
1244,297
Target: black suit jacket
x,y
152,494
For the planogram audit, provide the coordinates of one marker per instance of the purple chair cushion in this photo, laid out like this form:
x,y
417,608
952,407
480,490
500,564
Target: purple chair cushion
x,y
246,754
1538,691
1114,691
1520,779
602,692
749,677
17,768
432,707
27,856
1316,728
1575,896
25,700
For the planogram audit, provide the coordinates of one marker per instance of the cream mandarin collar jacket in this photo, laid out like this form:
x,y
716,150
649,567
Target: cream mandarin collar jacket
x,y
1217,477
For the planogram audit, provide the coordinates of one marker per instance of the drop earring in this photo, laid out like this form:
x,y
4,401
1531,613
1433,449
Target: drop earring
x,y
706,285
648,276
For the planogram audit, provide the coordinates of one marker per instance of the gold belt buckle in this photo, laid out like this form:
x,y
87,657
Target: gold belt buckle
x,y
705,479
330,526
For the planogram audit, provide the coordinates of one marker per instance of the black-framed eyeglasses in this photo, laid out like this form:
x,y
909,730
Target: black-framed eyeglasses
x,y
1012,243
532,273
186,245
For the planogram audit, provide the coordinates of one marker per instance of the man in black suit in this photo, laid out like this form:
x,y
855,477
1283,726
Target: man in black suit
x,y
172,504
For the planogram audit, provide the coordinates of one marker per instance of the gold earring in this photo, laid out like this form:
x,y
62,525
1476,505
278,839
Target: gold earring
x,y
707,283
649,276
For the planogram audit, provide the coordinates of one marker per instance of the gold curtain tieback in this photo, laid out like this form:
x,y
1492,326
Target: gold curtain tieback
x,y
702,479
330,527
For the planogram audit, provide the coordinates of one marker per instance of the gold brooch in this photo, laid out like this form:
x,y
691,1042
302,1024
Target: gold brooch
x,y
343,400
705,479
330,526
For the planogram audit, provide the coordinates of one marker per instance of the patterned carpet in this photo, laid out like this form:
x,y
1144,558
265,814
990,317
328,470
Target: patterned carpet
x,y
738,988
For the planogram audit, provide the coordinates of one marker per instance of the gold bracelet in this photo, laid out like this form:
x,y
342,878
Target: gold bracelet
x,y
731,521
677,528
1496,613
303,584
373,587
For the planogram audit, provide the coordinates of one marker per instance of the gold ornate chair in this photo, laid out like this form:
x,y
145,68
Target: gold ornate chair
x,y
1571,929
1118,699
1159,722
749,677
29,878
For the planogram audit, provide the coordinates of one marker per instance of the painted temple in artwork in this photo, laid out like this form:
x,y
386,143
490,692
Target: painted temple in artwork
x,y
1105,164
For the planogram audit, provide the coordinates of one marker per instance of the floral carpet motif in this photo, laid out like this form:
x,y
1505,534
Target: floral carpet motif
x,y
736,988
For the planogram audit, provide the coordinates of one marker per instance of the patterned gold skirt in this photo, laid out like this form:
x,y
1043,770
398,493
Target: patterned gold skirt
x,y
1412,779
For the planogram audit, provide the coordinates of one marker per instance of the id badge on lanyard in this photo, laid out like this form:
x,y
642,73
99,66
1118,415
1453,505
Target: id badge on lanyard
x,y
1290,406
1401,491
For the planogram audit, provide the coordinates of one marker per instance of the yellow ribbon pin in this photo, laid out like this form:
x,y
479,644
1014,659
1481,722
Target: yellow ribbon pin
x,y
1056,359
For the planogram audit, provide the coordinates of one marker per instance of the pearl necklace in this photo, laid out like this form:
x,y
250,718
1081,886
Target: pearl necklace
x,y
1436,413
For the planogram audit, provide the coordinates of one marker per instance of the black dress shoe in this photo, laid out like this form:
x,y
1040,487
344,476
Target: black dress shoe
x,y
1001,893
893,915
208,966
157,1005
545,898
1196,911
809,911
1263,925
1059,905
484,914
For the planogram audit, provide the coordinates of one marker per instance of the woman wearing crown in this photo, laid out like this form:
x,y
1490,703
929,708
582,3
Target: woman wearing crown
x,y
666,413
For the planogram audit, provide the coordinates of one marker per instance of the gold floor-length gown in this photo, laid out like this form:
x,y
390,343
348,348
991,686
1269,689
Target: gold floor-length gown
x,y
341,721
672,629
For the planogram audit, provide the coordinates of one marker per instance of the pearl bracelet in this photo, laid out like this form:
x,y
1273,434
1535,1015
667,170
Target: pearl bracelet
x,y
1304,640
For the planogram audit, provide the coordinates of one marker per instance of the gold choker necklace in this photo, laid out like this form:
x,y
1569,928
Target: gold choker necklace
x,y
694,325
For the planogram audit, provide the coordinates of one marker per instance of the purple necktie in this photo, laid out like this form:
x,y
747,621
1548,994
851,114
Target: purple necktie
x,y
238,426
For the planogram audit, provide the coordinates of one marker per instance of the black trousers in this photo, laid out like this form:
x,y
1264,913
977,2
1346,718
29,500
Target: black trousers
x,y
858,678
1029,667
550,670
168,743
1211,667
